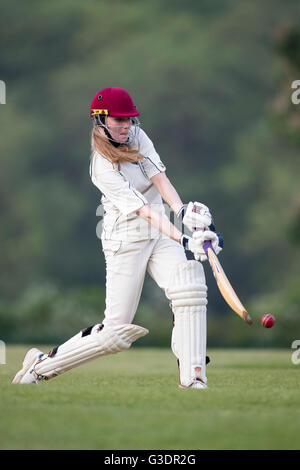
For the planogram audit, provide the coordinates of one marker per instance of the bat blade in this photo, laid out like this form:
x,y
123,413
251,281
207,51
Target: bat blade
x,y
224,285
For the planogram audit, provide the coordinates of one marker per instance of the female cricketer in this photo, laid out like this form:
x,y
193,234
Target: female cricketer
x,y
138,237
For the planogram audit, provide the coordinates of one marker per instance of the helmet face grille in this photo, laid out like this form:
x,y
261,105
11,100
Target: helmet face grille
x,y
133,134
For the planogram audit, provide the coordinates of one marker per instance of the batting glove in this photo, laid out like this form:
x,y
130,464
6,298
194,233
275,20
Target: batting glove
x,y
195,243
195,215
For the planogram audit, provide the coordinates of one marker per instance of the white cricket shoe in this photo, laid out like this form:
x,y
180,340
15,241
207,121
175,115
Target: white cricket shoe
x,y
27,375
197,381
198,384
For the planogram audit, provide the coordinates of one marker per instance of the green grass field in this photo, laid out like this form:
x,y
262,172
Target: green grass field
x,y
131,401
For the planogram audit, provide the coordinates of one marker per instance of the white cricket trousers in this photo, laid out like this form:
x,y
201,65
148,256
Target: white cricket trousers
x,y
126,266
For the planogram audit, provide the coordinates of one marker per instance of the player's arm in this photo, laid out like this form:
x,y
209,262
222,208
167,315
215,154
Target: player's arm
x,y
167,191
194,244
162,224
171,197
194,215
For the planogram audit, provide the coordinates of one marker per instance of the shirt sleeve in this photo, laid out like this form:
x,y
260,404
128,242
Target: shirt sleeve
x,y
114,186
151,163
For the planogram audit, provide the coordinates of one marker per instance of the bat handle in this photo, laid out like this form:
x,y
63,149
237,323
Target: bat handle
x,y
207,245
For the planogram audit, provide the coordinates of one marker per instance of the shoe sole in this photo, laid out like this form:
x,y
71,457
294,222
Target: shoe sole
x,y
197,385
29,359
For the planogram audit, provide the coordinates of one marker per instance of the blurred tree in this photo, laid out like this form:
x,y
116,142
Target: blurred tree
x,y
206,78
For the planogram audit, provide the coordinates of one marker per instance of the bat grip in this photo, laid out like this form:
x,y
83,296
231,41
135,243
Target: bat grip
x,y
207,245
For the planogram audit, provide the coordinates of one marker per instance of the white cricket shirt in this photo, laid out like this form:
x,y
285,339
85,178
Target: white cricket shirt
x,y
125,188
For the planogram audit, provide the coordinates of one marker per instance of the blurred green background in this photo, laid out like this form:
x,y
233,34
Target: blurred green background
x,y
212,80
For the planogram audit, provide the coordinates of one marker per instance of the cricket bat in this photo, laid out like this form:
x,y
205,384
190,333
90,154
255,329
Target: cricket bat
x,y
224,285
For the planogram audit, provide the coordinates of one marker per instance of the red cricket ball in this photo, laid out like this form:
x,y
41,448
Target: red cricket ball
x,y
267,320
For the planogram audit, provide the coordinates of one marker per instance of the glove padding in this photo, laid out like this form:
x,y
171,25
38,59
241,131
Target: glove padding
x,y
196,216
195,243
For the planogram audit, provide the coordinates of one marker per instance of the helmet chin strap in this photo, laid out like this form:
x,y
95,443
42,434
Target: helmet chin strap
x,y
100,120
112,141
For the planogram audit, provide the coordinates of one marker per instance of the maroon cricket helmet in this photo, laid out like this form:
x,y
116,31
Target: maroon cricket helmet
x,y
113,101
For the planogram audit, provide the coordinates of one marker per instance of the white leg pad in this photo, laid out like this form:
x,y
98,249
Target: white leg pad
x,y
188,295
100,341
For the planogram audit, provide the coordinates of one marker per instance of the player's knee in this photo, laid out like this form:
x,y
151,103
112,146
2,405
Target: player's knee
x,y
187,284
